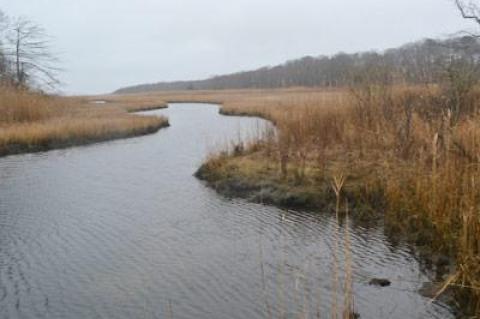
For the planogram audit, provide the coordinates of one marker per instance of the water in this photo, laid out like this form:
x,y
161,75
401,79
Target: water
x,y
123,230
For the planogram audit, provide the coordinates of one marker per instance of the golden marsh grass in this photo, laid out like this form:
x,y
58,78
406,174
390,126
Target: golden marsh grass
x,y
31,121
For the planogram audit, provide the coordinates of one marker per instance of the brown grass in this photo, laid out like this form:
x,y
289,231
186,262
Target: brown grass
x,y
411,153
33,122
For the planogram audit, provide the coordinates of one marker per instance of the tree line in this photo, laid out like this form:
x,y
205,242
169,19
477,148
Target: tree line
x,y
26,58
422,62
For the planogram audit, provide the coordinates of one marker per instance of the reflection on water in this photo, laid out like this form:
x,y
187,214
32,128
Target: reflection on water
x,y
123,230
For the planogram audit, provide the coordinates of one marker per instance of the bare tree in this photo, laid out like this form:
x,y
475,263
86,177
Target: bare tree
x,y
3,58
29,49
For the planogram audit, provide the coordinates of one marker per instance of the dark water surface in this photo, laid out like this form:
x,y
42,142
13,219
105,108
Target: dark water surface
x,y
123,230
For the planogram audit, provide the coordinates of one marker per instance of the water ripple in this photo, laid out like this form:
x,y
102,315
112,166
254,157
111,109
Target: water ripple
x,y
123,230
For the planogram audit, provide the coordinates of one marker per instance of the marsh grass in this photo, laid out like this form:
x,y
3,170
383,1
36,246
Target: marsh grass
x,y
411,155
33,122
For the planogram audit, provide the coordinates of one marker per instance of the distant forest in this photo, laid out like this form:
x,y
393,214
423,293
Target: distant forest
x,y
422,62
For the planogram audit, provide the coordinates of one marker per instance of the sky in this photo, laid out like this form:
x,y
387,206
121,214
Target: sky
x,y
107,44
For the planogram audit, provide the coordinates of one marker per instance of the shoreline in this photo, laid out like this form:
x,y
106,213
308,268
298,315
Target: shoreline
x,y
263,191
228,179
146,109
56,142
19,149
364,211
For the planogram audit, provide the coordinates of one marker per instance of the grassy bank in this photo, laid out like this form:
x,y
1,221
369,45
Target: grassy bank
x,y
410,156
32,122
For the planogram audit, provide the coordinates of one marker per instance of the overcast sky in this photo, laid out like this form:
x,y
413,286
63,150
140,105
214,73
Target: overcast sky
x,y
107,44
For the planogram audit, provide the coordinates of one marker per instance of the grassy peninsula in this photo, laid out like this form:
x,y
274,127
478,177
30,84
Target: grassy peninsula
x,y
32,121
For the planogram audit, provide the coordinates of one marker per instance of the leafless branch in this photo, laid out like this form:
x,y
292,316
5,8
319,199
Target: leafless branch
x,y
468,11
29,50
